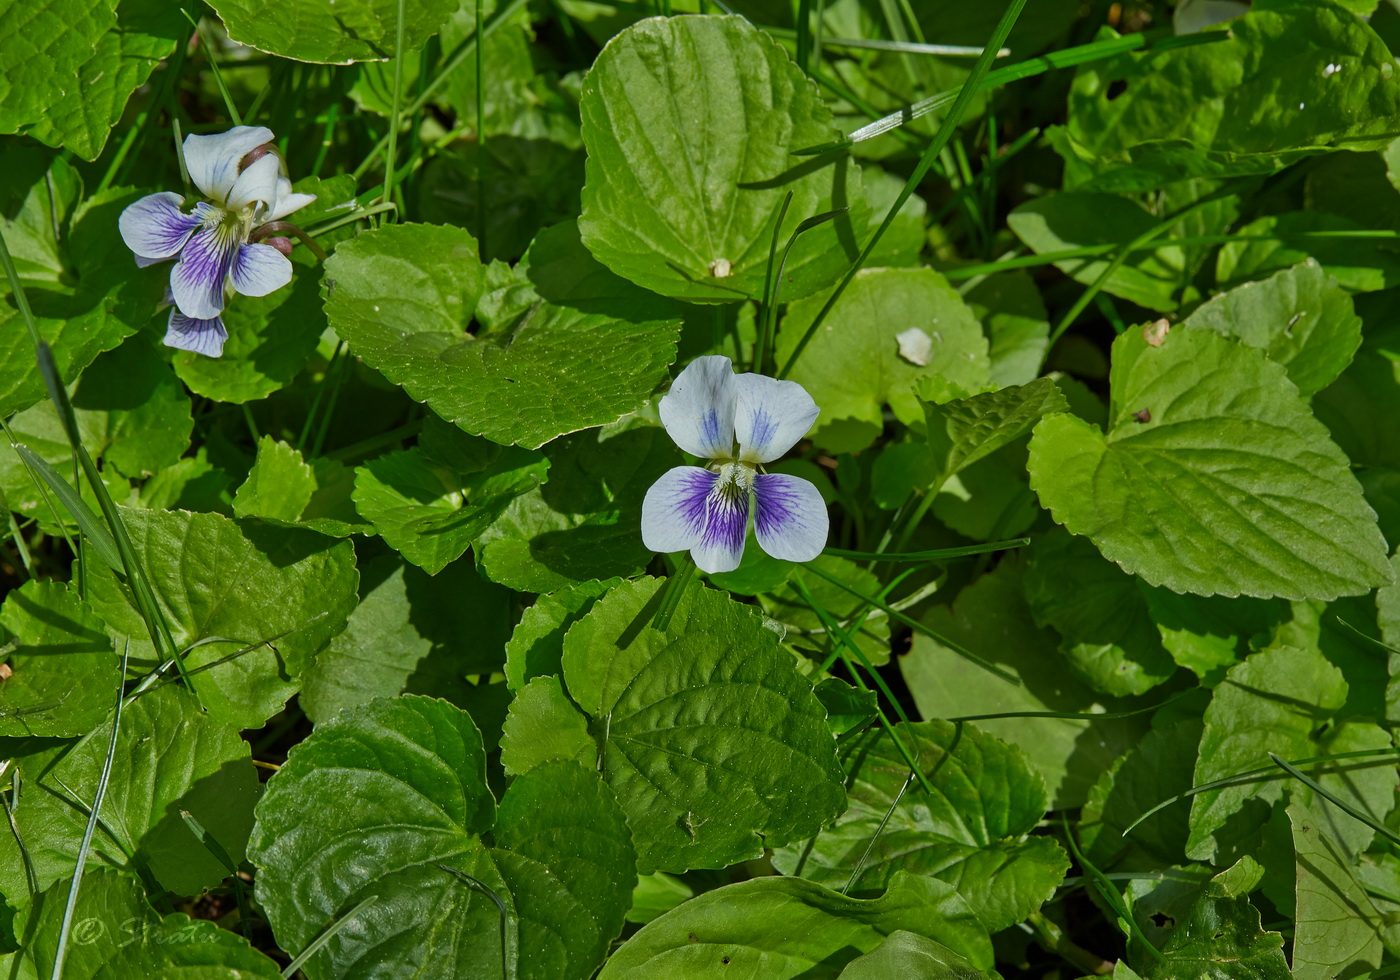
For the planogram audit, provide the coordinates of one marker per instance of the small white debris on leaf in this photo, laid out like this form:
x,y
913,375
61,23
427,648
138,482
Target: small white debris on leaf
x,y
915,346
1155,333
720,268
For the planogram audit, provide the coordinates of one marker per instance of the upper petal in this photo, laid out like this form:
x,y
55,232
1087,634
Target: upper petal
x,y
197,281
789,519
155,228
699,411
258,182
201,336
258,269
213,160
770,416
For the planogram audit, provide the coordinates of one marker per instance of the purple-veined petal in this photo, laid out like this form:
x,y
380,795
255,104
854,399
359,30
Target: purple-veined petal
x,y
789,519
770,416
699,411
201,336
707,513
257,183
155,228
144,260
258,269
213,160
197,281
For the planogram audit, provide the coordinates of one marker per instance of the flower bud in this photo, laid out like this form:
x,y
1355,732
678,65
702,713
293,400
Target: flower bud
x,y
254,155
283,245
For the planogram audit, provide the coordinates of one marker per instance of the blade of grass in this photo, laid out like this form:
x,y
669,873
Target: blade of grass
x,y
508,966
391,153
773,286
240,892
1110,894
89,524
938,554
1335,800
1068,58
940,140
214,67
325,936
918,627
1259,775
66,926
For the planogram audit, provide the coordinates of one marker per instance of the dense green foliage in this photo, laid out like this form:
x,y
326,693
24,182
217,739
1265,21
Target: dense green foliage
x,y
335,649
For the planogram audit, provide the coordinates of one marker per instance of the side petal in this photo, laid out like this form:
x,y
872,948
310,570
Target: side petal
x,y
197,281
201,336
286,201
259,269
699,411
257,183
770,416
142,261
673,511
790,519
155,228
213,160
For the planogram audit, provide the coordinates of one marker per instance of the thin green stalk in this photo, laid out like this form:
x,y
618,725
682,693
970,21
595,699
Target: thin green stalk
x,y
21,546
459,54
391,154
674,588
320,393
918,627
327,137
769,287
86,845
1341,804
1150,235
214,67
481,224
324,937
940,140
804,36
1111,895
938,554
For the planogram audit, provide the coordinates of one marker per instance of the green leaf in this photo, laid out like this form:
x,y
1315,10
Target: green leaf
x,y
1270,703
116,935
907,954
543,725
1078,219
401,297
413,633
1338,930
283,489
678,715
170,757
1250,104
63,671
536,647
808,633
1106,628
1358,264
354,30
132,410
1016,322
690,123
84,291
656,894
1300,317
991,619
416,769
1230,486
1158,768
963,431
585,523
240,582
69,67
784,928
1220,936
431,515
970,832
853,366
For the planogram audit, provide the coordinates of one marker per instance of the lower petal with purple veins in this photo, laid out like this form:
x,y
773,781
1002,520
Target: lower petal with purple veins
x,y
790,519
201,336
696,510
198,279
258,269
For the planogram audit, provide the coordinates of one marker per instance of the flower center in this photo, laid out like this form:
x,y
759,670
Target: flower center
x,y
735,480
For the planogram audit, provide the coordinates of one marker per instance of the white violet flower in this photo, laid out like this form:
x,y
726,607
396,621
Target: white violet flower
x,y
738,422
246,182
